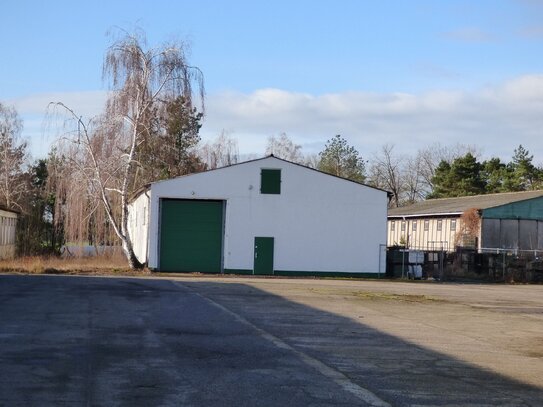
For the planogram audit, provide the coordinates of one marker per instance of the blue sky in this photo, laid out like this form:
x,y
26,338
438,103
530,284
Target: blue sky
x,y
403,72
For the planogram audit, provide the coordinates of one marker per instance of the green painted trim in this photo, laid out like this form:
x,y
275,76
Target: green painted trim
x,y
287,273
185,271
238,271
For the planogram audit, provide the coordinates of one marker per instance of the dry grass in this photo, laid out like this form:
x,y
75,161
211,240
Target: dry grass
x,y
99,265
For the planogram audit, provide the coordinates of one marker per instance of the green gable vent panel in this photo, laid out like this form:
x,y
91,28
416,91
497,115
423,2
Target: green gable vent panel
x,y
531,209
191,236
270,181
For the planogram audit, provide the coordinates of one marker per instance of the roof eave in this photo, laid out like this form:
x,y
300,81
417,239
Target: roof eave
x,y
426,215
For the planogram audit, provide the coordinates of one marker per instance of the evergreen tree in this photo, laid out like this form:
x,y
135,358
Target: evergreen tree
x,y
524,175
495,174
461,178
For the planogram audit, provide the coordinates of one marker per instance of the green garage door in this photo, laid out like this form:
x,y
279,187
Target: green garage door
x,y
191,236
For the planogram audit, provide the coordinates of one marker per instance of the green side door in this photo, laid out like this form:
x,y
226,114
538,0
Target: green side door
x,y
263,255
191,236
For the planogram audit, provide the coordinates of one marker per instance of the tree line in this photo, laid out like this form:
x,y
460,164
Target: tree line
x,y
149,131
451,171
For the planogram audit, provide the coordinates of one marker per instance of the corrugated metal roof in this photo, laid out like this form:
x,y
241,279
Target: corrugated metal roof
x,y
450,206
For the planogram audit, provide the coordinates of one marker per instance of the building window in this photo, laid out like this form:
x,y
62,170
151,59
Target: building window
x,y
453,225
414,227
270,181
392,226
426,225
403,226
439,225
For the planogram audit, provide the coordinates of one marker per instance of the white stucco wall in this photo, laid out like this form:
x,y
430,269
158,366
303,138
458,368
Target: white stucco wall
x,y
319,222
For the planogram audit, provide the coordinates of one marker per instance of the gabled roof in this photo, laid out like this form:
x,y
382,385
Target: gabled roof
x,y
456,206
147,186
322,172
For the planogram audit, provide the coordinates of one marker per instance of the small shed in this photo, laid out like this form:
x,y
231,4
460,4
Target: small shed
x,y
265,216
512,220
8,227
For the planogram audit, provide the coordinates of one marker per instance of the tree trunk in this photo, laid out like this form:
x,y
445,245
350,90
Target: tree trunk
x,y
128,250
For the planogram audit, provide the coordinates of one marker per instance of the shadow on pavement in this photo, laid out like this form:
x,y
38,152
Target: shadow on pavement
x,y
398,371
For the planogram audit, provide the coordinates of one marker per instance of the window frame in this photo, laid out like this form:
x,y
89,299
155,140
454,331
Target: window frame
x,y
270,181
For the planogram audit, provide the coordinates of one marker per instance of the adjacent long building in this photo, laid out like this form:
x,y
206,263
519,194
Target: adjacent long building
x,y
511,220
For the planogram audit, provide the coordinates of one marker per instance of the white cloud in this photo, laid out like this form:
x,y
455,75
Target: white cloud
x,y
87,104
495,118
33,110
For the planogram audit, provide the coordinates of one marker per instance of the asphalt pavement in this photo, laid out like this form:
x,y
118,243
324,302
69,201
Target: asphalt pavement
x,y
132,342
96,341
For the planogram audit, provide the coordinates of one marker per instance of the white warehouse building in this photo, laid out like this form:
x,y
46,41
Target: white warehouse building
x,y
265,216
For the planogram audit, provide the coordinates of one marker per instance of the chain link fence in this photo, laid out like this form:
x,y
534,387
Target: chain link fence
x,y
486,264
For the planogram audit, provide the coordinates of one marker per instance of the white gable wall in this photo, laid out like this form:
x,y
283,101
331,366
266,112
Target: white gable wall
x,y
319,222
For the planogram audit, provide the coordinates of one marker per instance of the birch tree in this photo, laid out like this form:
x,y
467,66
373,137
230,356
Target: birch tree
x,y
221,152
13,154
103,152
283,147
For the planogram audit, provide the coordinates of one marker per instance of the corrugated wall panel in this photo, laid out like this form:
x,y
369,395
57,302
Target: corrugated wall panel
x,y
509,234
191,234
527,234
490,233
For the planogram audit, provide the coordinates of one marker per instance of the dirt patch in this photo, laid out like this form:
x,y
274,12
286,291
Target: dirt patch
x,y
379,296
395,297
